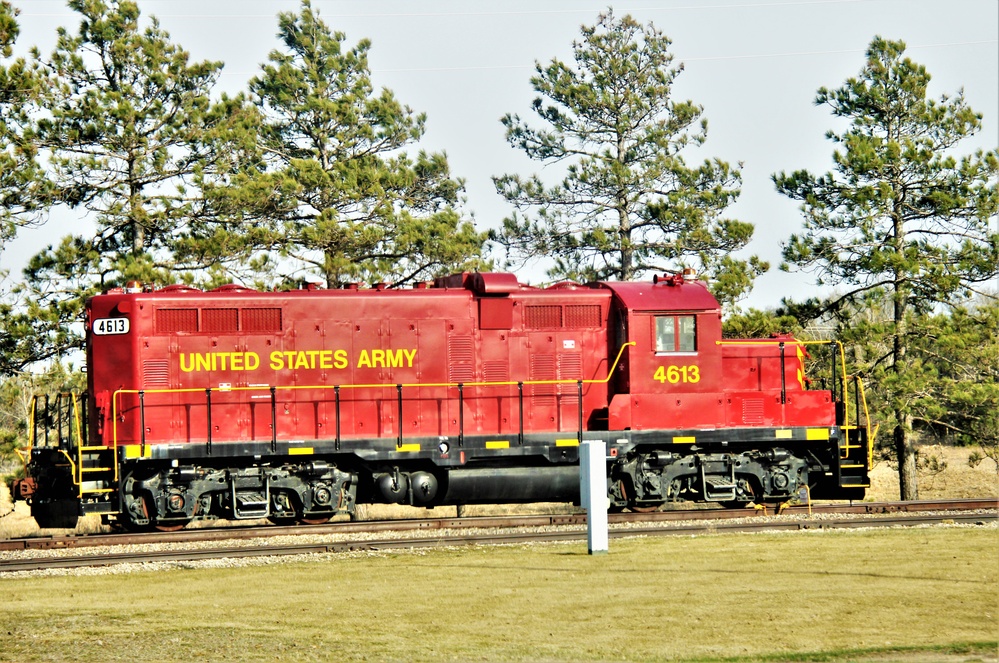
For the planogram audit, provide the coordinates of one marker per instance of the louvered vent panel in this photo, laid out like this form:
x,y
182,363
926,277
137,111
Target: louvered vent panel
x,y
155,373
570,367
543,368
260,319
461,359
170,320
495,371
219,320
581,316
542,317
752,411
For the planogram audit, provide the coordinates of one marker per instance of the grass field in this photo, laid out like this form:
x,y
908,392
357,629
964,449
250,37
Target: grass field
x,y
927,594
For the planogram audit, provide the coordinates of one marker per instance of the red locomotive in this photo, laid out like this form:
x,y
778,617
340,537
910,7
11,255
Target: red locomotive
x,y
296,406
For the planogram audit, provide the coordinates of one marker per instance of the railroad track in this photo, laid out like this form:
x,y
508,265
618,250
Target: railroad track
x,y
464,539
477,522
457,531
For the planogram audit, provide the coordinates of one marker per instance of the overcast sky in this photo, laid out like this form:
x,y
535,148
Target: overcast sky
x,y
753,65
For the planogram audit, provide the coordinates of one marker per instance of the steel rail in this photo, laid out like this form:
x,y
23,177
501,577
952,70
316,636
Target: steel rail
x,y
465,539
477,522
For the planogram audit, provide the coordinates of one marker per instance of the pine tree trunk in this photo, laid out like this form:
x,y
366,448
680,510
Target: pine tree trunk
x,y
905,451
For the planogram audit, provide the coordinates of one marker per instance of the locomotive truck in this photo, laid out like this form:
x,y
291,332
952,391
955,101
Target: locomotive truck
x,y
297,406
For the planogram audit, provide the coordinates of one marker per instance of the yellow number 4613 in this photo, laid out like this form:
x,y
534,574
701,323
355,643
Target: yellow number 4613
x,y
677,374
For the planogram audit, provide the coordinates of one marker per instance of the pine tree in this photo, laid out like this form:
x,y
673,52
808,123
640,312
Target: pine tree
x,y
628,203
127,113
330,189
122,137
24,189
900,214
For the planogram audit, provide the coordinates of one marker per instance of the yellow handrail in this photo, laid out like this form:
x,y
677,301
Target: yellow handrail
x,y
870,434
842,361
25,453
845,381
383,385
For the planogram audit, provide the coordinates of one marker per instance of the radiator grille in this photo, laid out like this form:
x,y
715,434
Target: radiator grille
x,y
176,320
219,320
260,319
542,317
578,316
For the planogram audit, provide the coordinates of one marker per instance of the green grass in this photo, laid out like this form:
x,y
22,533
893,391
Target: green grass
x,y
885,595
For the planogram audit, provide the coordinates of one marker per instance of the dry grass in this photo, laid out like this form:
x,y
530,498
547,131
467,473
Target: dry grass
x,y
877,595
956,480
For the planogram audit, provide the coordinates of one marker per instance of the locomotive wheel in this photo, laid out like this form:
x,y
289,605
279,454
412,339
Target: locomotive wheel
x,y
173,526
644,508
319,520
282,521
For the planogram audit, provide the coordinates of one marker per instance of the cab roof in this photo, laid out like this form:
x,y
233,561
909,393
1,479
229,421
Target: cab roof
x,y
670,293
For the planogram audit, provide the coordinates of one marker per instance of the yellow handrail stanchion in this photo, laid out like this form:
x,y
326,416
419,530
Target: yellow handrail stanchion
x,y
385,385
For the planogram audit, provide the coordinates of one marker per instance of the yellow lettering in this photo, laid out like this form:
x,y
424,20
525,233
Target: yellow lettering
x,y
202,362
363,360
277,361
340,359
326,359
410,356
378,358
189,366
301,360
252,361
236,361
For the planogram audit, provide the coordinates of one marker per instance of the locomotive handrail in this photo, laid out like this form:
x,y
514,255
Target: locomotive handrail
x,y
74,420
377,385
871,434
25,453
843,381
68,403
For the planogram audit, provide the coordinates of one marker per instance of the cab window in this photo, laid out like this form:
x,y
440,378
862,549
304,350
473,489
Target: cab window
x,y
676,333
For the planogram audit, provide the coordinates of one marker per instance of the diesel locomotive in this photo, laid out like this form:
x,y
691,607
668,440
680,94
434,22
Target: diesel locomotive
x,y
297,406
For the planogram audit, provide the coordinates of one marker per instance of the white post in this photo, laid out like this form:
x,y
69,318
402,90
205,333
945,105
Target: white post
x,y
593,493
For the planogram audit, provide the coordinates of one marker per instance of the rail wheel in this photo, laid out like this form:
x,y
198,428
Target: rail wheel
x,y
318,520
282,521
644,508
171,525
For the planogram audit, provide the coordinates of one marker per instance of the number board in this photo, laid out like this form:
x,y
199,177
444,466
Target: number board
x,y
109,326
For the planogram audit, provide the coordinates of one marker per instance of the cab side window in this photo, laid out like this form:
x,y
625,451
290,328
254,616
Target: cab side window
x,y
676,333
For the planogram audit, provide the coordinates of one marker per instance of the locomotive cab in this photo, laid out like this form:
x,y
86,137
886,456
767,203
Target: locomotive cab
x,y
729,421
673,366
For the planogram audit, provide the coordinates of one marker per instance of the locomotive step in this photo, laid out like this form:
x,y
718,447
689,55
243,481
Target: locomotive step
x,y
251,505
718,488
